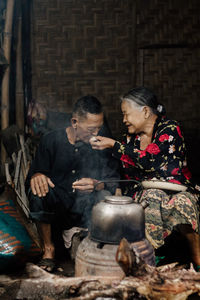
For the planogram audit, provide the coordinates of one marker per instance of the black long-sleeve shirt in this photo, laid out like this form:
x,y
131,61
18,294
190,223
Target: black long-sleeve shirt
x,y
65,163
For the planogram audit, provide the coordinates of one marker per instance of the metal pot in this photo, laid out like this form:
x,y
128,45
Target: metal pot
x,y
117,217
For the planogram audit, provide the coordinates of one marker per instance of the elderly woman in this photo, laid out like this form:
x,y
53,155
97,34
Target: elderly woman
x,y
154,149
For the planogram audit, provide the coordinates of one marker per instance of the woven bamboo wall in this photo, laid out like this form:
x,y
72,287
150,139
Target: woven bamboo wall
x,y
82,47
168,61
104,47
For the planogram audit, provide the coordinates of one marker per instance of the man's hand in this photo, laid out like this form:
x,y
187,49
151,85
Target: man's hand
x,y
87,185
40,184
101,142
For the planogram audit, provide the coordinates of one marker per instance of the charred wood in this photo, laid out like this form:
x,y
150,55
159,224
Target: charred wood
x,y
167,282
133,257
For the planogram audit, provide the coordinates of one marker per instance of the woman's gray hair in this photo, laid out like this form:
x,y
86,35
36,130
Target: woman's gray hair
x,y
141,97
133,103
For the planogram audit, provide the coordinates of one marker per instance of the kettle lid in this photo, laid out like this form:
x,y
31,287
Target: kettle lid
x,y
118,199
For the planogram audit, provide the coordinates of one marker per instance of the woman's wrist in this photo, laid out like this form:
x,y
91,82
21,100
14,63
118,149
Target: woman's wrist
x,y
117,151
112,142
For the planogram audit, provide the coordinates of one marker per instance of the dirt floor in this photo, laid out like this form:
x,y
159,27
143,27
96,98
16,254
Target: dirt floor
x,y
64,267
65,260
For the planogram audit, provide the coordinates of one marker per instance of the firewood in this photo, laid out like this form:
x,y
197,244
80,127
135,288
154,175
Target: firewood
x,y
43,283
131,260
125,257
169,282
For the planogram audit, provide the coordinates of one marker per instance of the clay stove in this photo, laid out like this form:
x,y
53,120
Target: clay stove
x,y
96,253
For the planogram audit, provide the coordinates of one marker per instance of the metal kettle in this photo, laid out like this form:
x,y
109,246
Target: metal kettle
x,y
116,217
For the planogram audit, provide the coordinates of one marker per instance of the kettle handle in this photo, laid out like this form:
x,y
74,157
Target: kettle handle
x,y
144,203
117,180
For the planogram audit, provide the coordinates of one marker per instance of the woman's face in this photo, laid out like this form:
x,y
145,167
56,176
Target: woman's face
x,y
133,118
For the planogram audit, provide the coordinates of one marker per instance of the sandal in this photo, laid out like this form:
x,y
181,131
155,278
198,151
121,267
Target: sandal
x,y
47,264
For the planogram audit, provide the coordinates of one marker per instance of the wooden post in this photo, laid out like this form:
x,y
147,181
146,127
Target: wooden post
x,y
5,81
19,76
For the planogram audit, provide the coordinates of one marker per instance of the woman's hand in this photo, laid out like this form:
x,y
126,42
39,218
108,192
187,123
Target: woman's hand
x,y
40,184
87,185
101,142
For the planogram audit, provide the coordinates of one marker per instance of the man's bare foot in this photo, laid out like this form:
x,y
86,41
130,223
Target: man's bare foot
x,y
47,261
49,252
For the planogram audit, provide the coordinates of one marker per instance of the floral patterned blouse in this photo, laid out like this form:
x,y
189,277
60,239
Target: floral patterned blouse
x,y
164,158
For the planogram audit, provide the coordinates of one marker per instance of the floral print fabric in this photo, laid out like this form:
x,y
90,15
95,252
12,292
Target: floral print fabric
x,y
165,211
164,159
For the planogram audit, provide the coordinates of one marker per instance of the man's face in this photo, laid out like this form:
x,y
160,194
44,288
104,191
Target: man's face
x,y
88,126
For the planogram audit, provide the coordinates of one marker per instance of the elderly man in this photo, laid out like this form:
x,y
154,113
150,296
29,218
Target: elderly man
x,y
62,181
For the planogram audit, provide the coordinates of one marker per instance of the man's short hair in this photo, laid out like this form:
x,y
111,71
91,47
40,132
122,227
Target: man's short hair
x,y
87,104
